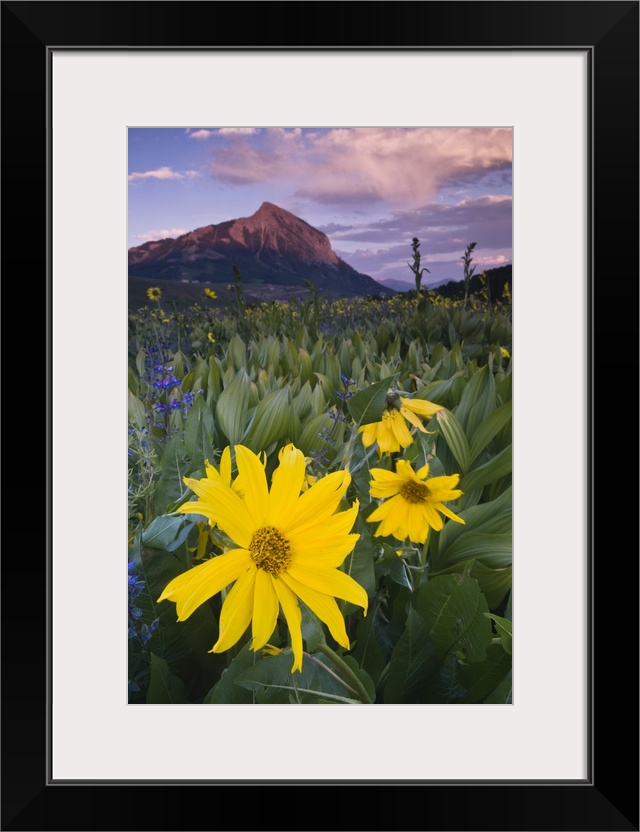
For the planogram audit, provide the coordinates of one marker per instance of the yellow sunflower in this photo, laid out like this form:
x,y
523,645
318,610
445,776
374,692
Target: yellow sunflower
x,y
289,547
411,505
391,432
154,293
210,294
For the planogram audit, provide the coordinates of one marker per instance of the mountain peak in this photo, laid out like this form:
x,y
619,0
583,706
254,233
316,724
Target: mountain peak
x,y
270,246
275,233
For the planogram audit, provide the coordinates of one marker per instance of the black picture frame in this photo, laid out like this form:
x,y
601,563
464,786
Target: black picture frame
x,y
608,798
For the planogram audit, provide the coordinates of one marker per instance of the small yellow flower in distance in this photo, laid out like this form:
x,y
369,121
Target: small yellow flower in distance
x,y
391,432
210,294
288,546
504,352
154,293
411,505
210,337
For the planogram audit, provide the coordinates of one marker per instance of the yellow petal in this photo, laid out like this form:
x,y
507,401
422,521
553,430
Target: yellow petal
x,y
394,504
433,518
421,406
405,471
225,466
400,430
254,484
292,613
318,502
197,585
387,440
417,525
331,582
265,609
212,472
223,506
324,606
385,483
411,417
443,483
325,551
236,611
369,433
448,513
286,484
322,525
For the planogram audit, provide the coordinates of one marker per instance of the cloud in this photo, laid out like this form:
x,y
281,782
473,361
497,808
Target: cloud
x,y
444,232
164,234
202,134
400,166
440,227
237,131
163,173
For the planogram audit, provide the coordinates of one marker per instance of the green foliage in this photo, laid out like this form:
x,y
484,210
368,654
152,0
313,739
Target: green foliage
x,y
311,372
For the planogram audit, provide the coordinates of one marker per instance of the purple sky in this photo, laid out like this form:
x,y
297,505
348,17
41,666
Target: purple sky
x,y
370,189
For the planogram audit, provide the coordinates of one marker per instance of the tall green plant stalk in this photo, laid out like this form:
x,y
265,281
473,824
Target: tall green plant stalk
x,y
241,305
468,268
415,266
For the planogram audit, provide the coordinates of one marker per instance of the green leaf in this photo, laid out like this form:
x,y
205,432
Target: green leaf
x,y
137,413
495,550
359,565
273,682
414,661
502,694
232,407
185,645
444,687
499,466
437,391
164,688
453,609
481,678
141,357
504,629
198,431
366,649
226,691
367,405
477,400
162,532
270,422
237,351
363,677
489,428
312,631
170,487
455,437
309,440
494,517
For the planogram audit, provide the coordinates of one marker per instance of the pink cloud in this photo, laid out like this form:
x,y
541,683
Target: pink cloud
x,y
237,131
349,165
163,173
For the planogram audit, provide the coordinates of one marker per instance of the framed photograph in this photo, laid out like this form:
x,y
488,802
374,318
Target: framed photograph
x,y
562,79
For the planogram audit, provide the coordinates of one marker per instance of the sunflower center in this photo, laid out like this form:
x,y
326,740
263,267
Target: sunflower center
x,y
270,550
415,492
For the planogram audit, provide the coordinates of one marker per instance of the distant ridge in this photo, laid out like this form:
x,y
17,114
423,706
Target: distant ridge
x,y
272,247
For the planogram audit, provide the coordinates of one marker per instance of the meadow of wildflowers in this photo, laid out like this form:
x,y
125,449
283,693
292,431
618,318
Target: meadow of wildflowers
x,y
320,500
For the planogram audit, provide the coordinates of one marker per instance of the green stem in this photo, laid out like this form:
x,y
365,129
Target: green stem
x,y
346,671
